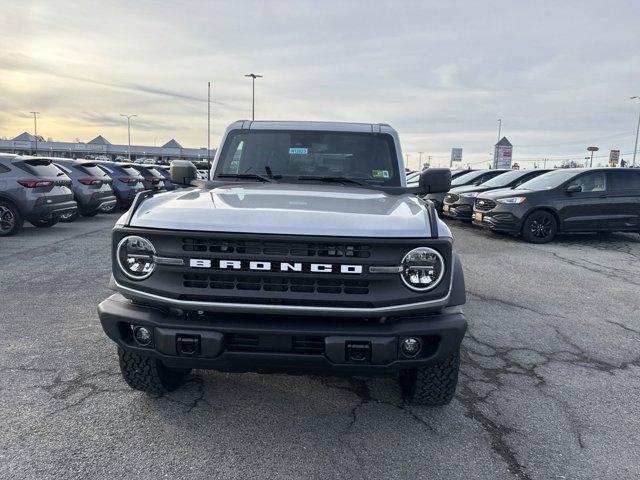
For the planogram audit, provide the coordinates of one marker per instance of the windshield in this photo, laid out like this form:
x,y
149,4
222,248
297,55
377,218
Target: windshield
x,y
505,179
293,155
549,180
467,177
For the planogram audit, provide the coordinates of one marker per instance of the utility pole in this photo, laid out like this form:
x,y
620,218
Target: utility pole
x,y
635,148
128,117
406,160
420,160
253,93
429,161
499,128
209,126
35,128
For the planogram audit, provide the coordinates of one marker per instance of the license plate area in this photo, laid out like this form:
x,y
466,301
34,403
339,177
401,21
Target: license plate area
x,y
477,216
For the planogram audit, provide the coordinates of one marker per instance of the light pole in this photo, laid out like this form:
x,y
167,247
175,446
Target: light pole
x,y
499,128
208,126
406,161
635,148
128,117
35,128
420,161
253,93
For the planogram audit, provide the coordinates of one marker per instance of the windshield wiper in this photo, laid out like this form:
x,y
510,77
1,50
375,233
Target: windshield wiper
x,y
334,180
245,176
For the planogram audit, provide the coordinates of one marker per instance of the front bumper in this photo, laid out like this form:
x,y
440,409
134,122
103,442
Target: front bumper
x,y
290,344
497,220
461,210
52,210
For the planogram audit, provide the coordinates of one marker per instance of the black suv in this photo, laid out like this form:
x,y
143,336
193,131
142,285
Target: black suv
x,y
571,200
458,203
474,177
32,189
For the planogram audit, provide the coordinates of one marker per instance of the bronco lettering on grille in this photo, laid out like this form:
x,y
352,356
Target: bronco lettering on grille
x,y
270,266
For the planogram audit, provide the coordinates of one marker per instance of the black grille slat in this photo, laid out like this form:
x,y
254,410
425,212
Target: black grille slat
x,y
485,206
322,250
276,284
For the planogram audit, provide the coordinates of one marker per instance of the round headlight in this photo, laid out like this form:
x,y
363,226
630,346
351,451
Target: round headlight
x,y
135,257
422,269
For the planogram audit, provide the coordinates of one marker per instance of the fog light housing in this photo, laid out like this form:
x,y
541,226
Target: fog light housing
x,y
411,347
142,335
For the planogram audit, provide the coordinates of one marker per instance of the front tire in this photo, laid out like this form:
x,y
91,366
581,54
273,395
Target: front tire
x,y
540,227
431,386
147,374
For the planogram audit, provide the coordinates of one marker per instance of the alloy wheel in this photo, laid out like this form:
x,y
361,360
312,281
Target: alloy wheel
x,y
541,226
7,219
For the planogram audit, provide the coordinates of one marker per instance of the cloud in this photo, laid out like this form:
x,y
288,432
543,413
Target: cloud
x,y
442,73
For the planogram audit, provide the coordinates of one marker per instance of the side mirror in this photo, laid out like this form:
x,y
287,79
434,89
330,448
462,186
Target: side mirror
x,y
183,172
574,188
435,180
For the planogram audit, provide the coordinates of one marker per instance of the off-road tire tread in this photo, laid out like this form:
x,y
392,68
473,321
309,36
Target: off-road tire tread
x,y
434,385
148,374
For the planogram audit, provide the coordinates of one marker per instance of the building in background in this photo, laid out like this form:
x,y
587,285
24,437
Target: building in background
x,y
27,144
502,154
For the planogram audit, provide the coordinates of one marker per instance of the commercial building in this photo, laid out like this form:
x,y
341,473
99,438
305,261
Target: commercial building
x,y
27,144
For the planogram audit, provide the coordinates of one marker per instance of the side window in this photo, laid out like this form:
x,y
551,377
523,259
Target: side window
x,y
625,182
237,155
591,182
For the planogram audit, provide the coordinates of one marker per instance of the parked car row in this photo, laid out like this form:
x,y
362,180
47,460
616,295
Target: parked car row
x,y
45,191
539,204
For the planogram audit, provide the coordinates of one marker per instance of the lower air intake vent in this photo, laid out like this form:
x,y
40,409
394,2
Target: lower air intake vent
x,y
307,345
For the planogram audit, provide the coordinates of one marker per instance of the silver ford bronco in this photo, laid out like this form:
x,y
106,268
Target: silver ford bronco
x,y
304,252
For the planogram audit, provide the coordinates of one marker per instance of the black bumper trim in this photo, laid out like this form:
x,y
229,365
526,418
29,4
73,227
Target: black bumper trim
x,y
446,329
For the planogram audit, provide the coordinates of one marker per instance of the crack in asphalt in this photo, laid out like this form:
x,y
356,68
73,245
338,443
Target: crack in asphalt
x,y
50,247
619,274
486,298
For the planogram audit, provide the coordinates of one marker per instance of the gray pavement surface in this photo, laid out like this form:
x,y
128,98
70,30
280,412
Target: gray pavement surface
x,y
550,384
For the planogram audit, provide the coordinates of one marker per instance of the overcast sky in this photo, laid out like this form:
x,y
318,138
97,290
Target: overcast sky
x,y
558,73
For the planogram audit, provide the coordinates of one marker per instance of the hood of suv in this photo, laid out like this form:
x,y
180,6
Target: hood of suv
x,y
505,192
291,209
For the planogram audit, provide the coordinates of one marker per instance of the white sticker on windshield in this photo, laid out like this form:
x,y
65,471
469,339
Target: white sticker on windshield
x,y
298,151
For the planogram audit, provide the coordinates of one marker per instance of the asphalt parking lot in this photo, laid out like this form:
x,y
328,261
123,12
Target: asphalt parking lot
x,y
550,385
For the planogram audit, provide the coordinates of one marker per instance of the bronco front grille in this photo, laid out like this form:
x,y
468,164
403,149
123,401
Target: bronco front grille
x,y
275,284
217,245
484,205
217,269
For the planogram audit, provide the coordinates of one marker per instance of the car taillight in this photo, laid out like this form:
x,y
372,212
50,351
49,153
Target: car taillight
x,y
90,181
35,183
128,180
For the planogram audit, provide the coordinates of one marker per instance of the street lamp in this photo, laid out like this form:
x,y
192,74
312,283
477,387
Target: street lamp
x,y
635,148
253,93
128,117
35,128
